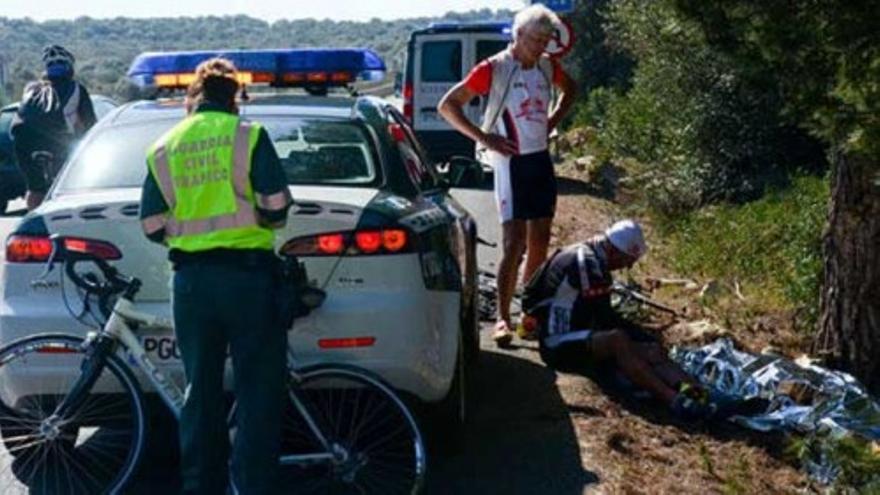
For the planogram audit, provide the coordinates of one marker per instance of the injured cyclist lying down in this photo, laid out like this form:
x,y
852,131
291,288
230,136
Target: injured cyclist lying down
x,y
568,303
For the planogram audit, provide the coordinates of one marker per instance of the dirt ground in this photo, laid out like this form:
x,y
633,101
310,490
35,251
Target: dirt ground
x,y
635,446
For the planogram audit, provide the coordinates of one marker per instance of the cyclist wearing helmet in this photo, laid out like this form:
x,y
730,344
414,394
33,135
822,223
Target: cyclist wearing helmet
x,y
54,112
568,304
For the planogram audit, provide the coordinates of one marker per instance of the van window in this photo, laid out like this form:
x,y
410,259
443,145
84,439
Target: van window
x,y
441,61
487,48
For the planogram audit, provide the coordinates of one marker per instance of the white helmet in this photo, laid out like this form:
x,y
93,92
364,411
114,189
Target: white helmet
x,y
627,237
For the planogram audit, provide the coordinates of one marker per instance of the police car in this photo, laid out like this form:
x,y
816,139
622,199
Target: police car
x,y
373,222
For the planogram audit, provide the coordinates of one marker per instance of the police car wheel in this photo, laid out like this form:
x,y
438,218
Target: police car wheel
x,y
470,320
449,416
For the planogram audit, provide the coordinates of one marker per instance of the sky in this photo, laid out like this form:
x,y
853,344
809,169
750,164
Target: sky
x,y
270,10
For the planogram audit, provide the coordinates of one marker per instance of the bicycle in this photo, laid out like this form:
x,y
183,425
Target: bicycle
x,y
79,426
47,164
630,297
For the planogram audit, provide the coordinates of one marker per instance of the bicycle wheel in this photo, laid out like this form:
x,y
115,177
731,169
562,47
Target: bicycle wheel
x,y
376,445
92,449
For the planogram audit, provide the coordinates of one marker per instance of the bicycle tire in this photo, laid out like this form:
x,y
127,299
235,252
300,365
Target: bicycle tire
x,y
94,450
360,414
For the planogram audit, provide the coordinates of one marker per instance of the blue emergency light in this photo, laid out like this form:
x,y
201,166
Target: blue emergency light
x,y
497,27
303,67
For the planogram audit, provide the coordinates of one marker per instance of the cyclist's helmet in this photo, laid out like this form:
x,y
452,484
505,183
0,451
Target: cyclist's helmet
x,y
57,59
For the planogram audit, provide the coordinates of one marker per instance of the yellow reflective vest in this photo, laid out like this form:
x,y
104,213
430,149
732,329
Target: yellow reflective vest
x,y
202,167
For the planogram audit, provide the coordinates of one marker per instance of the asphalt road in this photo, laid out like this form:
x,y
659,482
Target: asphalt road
x,y
521,438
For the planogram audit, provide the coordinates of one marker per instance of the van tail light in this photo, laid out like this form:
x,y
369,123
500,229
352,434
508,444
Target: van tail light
x,y
408,102
364,242
398,135
37,249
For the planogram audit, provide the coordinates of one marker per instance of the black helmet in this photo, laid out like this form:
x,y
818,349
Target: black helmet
x,y
57,53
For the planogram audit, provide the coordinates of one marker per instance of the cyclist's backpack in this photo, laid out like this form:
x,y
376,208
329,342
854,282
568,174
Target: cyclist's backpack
x,y
41,119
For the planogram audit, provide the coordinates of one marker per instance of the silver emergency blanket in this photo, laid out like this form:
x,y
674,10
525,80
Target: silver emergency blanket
x,y
806,399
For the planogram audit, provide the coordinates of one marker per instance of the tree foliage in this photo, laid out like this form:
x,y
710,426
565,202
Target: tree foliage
x,y
706,126
104,48
823,55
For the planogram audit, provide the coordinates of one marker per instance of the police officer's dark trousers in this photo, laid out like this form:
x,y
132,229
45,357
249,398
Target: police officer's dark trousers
x,y
219,306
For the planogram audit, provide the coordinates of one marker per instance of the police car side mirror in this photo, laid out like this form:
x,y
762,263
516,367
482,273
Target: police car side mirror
x,y
462,171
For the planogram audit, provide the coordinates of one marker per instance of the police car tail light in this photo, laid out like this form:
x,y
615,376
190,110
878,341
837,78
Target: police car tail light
x,y
394,240
101,249
37,249
346,342
364,242
330,244
28,249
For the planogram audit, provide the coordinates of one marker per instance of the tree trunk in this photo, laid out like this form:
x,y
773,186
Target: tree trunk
x,y
849,326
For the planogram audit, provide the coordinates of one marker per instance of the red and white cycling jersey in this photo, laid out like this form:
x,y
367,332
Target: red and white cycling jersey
x,y
525,115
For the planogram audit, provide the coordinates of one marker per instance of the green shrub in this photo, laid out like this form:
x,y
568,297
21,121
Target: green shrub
x,y
772,246
703,125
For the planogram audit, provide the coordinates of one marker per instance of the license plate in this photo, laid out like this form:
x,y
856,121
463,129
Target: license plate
x,y
161,348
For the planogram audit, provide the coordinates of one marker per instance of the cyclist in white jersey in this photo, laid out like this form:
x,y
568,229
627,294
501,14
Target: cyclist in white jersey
x,y
518,85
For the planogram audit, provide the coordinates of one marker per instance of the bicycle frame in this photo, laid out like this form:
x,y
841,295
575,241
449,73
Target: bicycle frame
x,y
118,328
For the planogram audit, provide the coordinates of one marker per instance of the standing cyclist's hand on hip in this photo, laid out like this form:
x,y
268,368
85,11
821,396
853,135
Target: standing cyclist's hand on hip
x,y
500,144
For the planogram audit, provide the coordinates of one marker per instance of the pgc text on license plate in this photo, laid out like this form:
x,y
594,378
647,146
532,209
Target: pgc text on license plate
x,y
161,348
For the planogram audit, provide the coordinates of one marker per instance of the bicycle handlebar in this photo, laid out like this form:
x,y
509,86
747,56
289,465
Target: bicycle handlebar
x,y
631,293
114,282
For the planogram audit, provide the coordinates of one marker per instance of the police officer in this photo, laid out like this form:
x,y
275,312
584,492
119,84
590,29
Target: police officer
x,y
214,192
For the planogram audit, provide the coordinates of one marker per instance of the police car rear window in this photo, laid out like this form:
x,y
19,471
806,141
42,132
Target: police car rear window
x,y
312,151
323,151
441,61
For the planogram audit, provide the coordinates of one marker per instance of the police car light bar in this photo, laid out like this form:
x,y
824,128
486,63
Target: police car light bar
x,y
498,27
279,67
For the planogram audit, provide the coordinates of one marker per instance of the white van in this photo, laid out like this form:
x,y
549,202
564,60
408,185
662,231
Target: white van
x,y
437,58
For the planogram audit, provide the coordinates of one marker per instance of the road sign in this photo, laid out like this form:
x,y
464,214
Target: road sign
x,y
562,40
559,6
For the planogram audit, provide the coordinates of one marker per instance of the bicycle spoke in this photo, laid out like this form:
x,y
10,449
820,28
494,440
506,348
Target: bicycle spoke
x,y
367,422
94,448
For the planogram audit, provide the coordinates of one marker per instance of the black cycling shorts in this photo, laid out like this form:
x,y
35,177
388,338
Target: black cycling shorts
x,y
525,186
575,354
35,174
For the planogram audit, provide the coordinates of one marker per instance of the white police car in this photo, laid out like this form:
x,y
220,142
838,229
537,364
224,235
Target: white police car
x,y
373,222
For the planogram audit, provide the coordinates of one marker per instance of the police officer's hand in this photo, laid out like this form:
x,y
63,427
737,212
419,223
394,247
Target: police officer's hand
x,y
500,144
